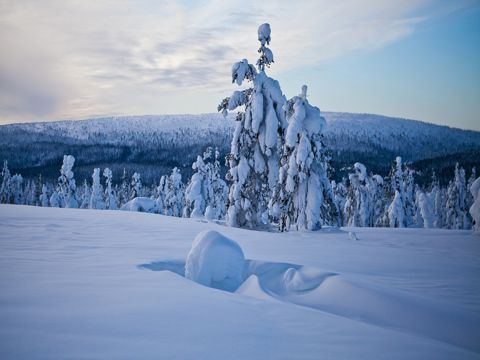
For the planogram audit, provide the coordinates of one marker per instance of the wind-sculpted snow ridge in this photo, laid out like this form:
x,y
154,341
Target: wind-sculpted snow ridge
x,y
218,262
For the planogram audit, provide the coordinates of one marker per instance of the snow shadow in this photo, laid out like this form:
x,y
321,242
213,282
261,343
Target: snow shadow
x,y
175,266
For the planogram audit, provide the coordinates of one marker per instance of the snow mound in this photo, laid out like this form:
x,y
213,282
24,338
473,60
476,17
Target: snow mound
x,y
215,261
141,204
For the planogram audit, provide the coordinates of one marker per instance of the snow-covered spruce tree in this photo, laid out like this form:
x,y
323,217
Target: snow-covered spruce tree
x,y
378,200
55,200
124,193
174,197
196,191
160,192
96,198
396,210
254,158
86,195
424,206
303,184
358,205
475,208
136,186
44,196
31,193
469,198
17,189
408,195
66,183
339,198
456,201
110,198
217,190
437,199
6,196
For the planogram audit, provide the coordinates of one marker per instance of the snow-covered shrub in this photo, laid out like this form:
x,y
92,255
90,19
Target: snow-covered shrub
x,y
475,208
302,182
110,198
215,261
96,198
253,158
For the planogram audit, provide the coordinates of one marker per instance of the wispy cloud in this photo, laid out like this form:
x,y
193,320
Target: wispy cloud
x,y
73,59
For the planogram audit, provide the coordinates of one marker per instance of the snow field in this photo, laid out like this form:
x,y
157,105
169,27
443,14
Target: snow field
x,y
91,284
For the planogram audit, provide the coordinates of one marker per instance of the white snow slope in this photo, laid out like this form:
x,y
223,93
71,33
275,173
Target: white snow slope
x,y
78,284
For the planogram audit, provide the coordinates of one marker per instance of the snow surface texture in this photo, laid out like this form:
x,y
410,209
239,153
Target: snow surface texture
x,y
215,261
72,286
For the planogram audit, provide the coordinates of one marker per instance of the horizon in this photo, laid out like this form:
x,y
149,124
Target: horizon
x,y
416,60
219,114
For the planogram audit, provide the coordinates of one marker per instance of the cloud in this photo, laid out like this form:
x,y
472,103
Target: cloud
x,y
73,59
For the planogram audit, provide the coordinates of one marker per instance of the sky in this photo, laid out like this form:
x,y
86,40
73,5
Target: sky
x,y
417,59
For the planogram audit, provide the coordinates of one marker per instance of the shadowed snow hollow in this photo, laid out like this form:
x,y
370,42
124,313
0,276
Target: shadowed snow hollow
x,y
215,261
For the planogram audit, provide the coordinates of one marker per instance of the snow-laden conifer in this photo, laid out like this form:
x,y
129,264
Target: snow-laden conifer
x,y
124,193
17,189
66,183
217,190
160,193
456,217
6,196
254,158
424,206
340,197
96,198
396,210
358,205
110,197
196,191
175,194
475,208
44,196
136,186
86,195
302,183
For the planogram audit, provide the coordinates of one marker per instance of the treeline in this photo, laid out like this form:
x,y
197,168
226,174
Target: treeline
x,y
362,199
